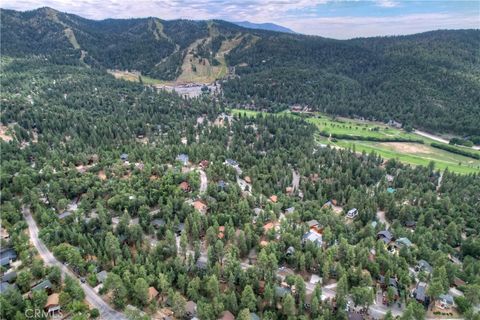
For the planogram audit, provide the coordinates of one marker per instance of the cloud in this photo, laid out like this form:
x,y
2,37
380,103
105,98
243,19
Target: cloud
x,y
346,27
330,18
387,3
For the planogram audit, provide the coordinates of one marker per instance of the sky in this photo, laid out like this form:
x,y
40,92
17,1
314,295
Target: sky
x,y
339,19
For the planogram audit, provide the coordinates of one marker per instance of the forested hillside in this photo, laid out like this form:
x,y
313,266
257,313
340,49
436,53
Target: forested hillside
x,y
429,80
95,160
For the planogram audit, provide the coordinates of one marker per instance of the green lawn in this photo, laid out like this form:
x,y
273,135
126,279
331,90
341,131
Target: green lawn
x,y
411,153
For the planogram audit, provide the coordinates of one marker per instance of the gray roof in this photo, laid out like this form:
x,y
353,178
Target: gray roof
x,y
4,286
8,277
425,266
312,223
420,291
102,276
385,234
281,291
158,222
447,298
7,255
45,284
404,241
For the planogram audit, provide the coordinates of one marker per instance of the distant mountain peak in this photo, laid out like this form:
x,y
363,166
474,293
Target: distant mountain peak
x,y
263,26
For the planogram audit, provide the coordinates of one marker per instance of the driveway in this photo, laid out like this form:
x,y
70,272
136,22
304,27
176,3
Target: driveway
x,y
106,312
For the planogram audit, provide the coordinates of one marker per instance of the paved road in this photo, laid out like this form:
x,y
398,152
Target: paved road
x,y
382,219
106,312
295,180
203,181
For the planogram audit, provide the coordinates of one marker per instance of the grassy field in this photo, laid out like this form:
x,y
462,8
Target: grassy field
x,y
407,152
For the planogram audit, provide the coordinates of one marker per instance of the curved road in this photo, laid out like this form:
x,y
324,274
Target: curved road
x,y
106,312
203,181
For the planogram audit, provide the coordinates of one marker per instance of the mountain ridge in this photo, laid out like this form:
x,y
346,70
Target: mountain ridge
x,y
428,80
264,26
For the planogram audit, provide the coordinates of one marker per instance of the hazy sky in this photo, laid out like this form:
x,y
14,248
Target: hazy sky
x,y
330,18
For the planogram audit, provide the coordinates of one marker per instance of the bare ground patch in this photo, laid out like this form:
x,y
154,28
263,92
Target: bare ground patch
x,y
403,147
4,135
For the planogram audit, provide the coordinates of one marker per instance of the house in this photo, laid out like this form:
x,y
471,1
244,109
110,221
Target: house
x,y
53,304
248,180
454,260
190,309
152,293
395,124
102,276
183,158
184,186
43,285
312,224
7,256
403,242
221,184
9,277
200,206
124,157
202,263
289,190
389,178
204,164
327,204
221,232
424,266
273,198
281,292
5,286
352,213
314,237
391,190
158,223
290,251
420,294
385,236
410,224
226,315
289,210
252,256
257,211
457,282
271,226
445,302
231,162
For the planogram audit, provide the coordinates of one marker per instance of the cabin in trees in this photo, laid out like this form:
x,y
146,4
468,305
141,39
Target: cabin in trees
x,y
313,237
190,309
420,294
183,158
403,242
184,186
444,302
423,266
53,304
226,315
385,236
7,256
352,213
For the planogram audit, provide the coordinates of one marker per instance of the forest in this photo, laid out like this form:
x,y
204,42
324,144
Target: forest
x,y
97,162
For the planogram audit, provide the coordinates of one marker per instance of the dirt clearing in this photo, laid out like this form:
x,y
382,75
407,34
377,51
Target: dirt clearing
x,y
404,147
